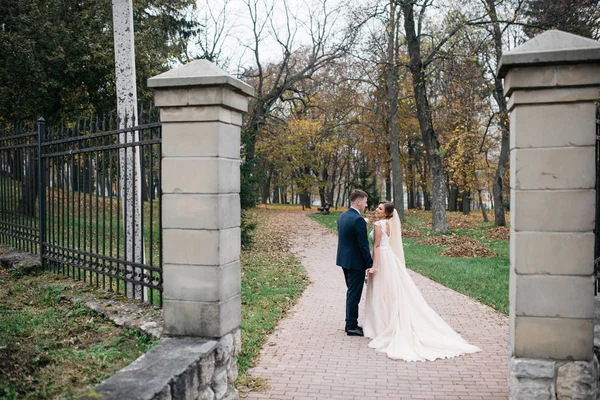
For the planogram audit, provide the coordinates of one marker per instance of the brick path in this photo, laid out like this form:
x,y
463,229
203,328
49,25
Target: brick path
x,y
309,355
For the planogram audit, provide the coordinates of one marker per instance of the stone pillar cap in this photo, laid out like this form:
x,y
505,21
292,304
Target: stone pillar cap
x,y
199,73
551,47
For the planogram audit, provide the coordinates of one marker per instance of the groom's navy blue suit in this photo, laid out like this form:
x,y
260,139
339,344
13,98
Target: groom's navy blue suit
x,y
354,257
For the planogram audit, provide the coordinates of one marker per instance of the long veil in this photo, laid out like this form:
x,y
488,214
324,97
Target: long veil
x,y
396,237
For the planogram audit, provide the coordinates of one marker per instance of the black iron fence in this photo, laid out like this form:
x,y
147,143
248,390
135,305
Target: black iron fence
x,y
19,225
98,218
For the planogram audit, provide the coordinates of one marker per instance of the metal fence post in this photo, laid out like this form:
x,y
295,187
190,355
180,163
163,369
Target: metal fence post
x,y
41,189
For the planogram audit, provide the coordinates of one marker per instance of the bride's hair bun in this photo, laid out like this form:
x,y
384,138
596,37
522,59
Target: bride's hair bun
x,y
388,208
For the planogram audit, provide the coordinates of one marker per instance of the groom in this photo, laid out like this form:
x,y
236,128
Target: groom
x,y
354,257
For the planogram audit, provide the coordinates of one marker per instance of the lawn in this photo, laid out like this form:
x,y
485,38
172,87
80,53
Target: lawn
x,y
482,278
52,347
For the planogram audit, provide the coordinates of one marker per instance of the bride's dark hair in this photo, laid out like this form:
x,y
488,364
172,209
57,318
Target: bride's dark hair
x,y
388,208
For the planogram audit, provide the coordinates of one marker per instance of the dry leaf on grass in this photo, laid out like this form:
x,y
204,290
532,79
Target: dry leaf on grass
x,y
449,240
499,233
410,232
460,246
467,250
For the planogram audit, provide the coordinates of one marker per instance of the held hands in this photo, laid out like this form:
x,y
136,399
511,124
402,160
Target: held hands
x,y
372,270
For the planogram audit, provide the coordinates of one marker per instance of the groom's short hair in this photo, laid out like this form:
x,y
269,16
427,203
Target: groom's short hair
x,y
358,194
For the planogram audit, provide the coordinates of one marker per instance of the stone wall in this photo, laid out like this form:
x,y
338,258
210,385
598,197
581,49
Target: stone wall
x,y
553,83
542,379
178,369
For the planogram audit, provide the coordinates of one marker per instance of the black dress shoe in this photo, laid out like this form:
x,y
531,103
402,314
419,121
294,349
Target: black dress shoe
x,y
354,332
357,327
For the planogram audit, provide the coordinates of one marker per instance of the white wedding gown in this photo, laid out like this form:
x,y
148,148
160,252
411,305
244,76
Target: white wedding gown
x,y
397,317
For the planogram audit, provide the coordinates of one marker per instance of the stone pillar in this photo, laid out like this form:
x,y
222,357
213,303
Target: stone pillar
x,y
201,110
553,82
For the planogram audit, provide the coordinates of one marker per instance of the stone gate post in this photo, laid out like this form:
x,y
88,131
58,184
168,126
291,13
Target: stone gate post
x,y
201,112
552,82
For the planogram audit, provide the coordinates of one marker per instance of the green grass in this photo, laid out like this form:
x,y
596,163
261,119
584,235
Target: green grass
x,y
328,220
272,281
90,223
483,279
51,347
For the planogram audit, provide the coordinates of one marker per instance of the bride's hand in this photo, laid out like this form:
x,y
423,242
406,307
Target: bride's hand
x,y
372,270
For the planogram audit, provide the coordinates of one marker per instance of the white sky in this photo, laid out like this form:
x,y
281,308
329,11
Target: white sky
x,y
233,18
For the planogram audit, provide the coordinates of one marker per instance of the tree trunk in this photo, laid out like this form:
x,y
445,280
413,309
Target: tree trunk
x,y
391,70
322,196
466,202
438,181
426,199
266,192
498,186
453,198
485,217
29,177
411,179
388,185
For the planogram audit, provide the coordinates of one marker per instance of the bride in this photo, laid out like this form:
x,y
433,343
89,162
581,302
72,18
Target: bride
x,y
397,318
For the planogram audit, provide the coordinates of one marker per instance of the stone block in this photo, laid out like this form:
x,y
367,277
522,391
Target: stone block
x,y
552,253
553,47
169,370
202,319
552,76
529,78
531,389
512,312
577,380
206,394
553,125
201,247
198,73
532,368
186,386
553,210
553,168
224,350
549,96
207,369
232,393
578,75
555,296
232,371
198,211
201,96
200,175
553,338
202,283
199,114
200,139
237,340
219,384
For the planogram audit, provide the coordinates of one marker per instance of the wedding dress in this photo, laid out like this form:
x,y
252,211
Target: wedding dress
x,y
397,318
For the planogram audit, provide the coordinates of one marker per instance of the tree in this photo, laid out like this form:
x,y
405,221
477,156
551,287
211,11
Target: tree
x,y
278,82
58,59
392,77
581,17
417,66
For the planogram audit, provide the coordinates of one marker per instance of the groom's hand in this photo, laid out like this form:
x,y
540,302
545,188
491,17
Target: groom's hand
x,y
372,270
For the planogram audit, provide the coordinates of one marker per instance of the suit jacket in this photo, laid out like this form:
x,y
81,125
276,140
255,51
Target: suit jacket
x,y
353,246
